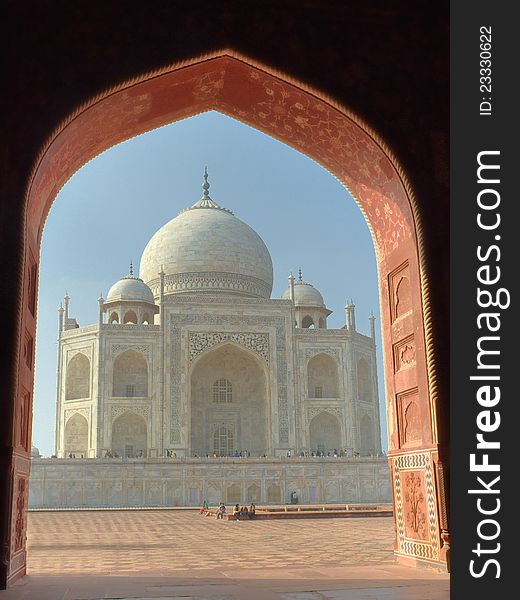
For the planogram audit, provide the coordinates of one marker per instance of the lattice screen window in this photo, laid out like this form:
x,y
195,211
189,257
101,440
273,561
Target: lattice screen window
x,y
318,392
130,391
223,441
222,391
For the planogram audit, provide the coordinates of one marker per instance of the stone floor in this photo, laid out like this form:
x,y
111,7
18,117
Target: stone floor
x,y
180,554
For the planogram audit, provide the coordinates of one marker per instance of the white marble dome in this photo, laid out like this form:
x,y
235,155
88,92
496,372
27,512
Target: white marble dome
x,y
305,294
207,249
130,289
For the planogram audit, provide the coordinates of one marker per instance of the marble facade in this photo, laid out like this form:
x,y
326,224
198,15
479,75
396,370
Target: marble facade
x,y
188,482
196,359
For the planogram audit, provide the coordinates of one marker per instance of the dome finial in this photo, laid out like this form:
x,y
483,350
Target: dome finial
x,y
205,185
131,269
299,274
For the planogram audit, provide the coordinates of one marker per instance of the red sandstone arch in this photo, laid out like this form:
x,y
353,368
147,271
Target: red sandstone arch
x,y
326,132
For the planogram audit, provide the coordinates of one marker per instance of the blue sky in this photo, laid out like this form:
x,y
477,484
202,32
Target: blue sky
x,y
104,216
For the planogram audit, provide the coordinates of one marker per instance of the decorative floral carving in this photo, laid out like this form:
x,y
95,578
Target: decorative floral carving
x,y
82,411
407,355
313,411
143,411
403,465
204,340
209,281
311,352
19,527
141,348
414,498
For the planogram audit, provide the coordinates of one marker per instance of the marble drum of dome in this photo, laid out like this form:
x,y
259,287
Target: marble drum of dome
x,y
207,249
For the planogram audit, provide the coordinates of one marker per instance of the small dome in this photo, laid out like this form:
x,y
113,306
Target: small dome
x,y
305,295
130,289
35,453
207,249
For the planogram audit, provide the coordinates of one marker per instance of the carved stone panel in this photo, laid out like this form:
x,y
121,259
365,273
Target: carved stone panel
x,y
82,411
409,418
404,354
400,291
28,350
19,523
415,509
141,348
415,506
311,352
24,419
199,341
143,411
313,411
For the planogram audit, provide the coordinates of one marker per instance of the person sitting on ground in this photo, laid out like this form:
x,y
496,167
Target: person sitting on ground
x,y
244,512
236,512
252,511
221,511
204,508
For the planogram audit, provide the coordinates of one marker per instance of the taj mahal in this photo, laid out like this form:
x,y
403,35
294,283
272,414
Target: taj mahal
x,y
193,363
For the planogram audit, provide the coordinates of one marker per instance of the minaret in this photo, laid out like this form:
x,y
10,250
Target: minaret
x,y
100,302
347,316
371,318
66,301
61,310
291,287
352,315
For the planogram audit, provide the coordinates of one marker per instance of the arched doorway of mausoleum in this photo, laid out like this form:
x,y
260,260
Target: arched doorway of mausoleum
x,y
229,403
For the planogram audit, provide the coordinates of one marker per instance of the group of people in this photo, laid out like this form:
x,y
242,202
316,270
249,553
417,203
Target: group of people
x,y
238,511
246,513
236,454
114,454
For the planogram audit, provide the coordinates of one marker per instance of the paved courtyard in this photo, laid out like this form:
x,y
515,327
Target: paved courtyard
x,y
119,542
181,554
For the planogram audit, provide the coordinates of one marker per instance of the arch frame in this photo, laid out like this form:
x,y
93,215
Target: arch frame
x,y
227,81
339,382
269,381
116,353
133,413
74,414
337,414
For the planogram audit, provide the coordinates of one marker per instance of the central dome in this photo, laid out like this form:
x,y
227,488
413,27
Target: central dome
x,y
207,249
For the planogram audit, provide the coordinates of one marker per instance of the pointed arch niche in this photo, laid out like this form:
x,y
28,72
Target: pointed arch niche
x,y
330,134
230,404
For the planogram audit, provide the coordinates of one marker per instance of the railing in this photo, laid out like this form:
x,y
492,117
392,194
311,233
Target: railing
x,y
220,459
